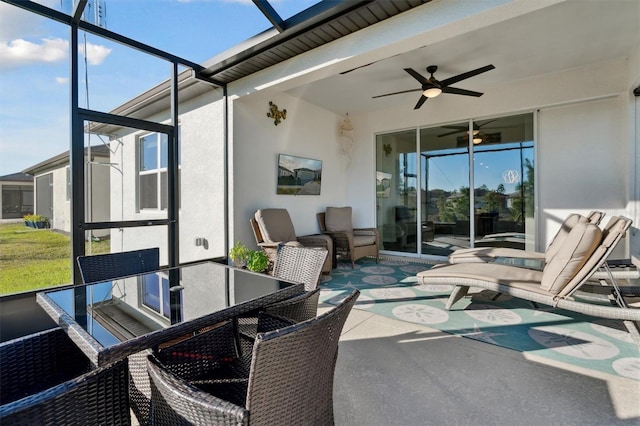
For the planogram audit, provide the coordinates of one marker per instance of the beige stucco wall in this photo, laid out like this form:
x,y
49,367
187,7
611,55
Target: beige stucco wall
x,y
308,131
202,177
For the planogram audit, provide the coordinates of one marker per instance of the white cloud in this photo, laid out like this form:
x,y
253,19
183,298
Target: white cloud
x,y
96,54
21,52
62,80
25,40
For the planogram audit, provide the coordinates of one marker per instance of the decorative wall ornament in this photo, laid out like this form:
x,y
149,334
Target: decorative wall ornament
x,y
346,138
511,176
277,115
387,149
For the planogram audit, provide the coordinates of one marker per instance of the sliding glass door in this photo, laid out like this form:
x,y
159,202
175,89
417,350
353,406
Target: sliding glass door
x,y
445,184
503,183
424,176
396,189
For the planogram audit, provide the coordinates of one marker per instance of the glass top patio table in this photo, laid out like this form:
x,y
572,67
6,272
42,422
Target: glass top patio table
x,y
113,319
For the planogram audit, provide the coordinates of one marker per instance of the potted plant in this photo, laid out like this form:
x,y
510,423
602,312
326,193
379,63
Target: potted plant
x,y
239,255
36,221
258,261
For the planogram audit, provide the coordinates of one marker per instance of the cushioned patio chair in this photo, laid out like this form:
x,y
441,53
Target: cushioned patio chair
x,y
289,379
584,251
103,267
46,379
488,254
354,243
272,227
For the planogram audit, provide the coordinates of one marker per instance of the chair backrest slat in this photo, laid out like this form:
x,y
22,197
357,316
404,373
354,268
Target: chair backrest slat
x,y
103,267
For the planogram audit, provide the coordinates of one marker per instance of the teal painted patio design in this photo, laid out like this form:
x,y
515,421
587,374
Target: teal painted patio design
x,y
390,288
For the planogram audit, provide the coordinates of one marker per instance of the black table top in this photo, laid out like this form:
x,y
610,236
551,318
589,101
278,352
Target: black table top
x,y
113,319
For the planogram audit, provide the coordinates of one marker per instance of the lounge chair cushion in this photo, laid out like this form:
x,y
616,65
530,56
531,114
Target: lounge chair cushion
x,y
275,225
338,219
569,223
575,250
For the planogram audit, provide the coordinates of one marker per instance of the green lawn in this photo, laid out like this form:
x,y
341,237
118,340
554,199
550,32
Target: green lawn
x,y
36,258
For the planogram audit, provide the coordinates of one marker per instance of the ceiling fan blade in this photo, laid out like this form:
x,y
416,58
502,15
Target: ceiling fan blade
x,y
485,123
455,91
396,93
417,76
452,133
465,75
422,100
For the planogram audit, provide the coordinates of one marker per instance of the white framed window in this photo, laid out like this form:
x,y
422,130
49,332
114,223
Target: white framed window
x,y
152,169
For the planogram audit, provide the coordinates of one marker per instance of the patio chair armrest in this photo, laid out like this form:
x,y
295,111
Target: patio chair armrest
x,y
365,231
270,244
317,240
338,234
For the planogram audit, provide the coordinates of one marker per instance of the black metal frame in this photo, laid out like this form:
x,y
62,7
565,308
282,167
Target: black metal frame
x,y
80,115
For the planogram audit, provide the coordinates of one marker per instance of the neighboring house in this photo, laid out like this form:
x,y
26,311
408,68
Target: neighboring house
x,y
17,195
561,94
52,193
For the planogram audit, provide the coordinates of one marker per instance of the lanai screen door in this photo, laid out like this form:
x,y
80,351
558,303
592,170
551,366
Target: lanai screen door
x,y
424,202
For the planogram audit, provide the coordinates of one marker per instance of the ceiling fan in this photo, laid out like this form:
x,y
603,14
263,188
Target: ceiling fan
x,y
430,87
461,129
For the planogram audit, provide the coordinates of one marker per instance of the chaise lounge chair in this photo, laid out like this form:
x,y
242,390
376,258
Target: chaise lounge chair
x,y
488,254
581,254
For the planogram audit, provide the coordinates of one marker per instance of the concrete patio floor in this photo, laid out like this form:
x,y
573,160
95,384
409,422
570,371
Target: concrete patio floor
x,y
391,372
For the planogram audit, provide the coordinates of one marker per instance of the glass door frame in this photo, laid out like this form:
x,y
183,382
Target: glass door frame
x,y
419,253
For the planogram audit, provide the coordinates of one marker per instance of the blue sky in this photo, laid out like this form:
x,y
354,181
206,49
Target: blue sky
x,y
34,62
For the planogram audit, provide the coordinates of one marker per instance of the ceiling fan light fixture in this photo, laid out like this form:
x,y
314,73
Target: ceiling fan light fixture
x,y
477,140
432,92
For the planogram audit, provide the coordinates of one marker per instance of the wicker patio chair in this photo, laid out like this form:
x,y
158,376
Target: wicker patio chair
x,y
297,264
289,382
103,267
300,264
296,309
46,379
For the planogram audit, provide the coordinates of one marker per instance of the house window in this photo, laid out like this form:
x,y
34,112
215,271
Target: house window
x,y
155,294
153,178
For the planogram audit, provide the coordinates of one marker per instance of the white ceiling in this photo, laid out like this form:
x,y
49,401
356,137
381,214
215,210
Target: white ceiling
x,y
569,35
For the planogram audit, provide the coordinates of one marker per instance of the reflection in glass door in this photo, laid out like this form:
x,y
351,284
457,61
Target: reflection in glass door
x,y
396,195
426,207
503,183
445,185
